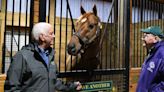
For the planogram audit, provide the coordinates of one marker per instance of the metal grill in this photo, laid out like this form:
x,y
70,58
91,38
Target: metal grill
x,y
115,48
62,14
145,13
17,29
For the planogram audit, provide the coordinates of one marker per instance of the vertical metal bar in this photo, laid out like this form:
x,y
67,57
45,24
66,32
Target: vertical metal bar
x,y
49,10
42,11
159,13
162,7
142,21
110,49
156,12
123,40
141,11
60,33
31,18
145,10
141,26
148,13
54,21
153,10
12,31
162,10
54,46
137,33
134,29
106,53
26,22
145,22
73,27
66,37
151,5
127,40
19,25
4,41
119,34
113,37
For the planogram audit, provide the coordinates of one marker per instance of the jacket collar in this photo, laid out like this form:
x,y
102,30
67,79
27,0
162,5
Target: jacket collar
x,y
33,46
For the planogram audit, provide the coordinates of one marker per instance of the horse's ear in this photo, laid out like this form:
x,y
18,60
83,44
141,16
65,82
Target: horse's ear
x,y
82,10
95,10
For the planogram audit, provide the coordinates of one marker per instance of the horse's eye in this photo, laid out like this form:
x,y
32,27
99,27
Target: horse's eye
x,y
91,26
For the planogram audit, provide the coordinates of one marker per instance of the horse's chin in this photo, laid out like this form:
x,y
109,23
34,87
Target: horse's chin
x,y
74,53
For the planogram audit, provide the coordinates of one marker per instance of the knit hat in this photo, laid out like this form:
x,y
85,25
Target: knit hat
x,y
155,30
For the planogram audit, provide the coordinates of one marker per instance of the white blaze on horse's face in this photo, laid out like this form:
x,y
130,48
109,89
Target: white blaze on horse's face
x,y
87,29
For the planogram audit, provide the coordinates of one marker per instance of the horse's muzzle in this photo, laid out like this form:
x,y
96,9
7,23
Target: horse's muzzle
x,y
71,48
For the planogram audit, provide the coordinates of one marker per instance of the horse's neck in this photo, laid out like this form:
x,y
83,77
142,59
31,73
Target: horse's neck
x,y
92,50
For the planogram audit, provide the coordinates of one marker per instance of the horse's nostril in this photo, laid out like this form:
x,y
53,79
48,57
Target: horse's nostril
x,y
71,46
73,49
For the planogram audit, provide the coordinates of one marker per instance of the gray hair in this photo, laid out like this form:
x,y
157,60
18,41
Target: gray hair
x,y
40,28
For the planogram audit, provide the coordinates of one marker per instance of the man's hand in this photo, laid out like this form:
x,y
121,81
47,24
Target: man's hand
x,y
79,86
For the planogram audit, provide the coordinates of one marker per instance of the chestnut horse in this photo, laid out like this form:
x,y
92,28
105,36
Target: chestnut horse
x,y
84,43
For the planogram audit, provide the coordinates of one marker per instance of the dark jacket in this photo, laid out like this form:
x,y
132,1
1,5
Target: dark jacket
x,y
152,73
29,73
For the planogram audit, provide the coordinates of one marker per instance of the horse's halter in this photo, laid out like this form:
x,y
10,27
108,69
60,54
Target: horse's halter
x,y
84,41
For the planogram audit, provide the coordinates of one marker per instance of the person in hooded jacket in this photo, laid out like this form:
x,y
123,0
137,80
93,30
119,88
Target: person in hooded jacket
x,y
152,73
33,69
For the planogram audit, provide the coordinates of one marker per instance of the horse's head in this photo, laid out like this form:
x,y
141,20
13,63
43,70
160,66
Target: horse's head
x,y
87,30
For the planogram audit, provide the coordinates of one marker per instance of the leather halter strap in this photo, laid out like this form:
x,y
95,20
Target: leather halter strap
x,y
85,40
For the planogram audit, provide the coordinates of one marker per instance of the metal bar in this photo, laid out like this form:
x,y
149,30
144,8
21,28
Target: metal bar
x,y
73,27
162,7
60,34
141,10
49,10
94,72
19,28
127,40
159,13
137,29
134,29
104,32
42,10
110,49
148,12
4,42
106,53
119,35
145,22
153,10
66,37
26,22
139,35
54,21
31,17
12,31
15,41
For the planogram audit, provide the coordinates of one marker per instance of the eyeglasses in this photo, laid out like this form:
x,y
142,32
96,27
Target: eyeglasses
x,y
145,35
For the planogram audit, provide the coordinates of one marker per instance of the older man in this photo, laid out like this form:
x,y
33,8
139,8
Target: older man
x,y
152,73
32,69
